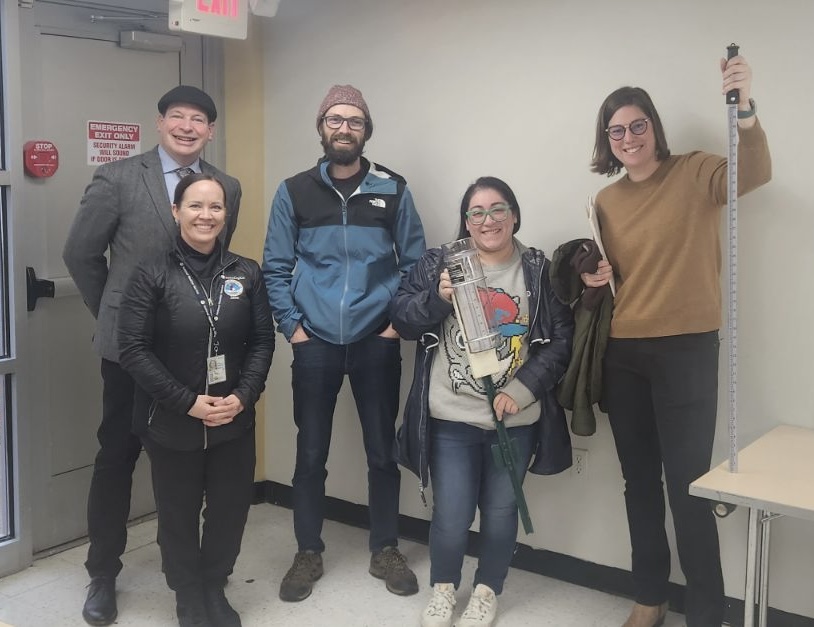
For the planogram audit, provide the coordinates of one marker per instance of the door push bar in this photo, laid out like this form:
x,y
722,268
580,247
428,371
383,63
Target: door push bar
x,y
36,288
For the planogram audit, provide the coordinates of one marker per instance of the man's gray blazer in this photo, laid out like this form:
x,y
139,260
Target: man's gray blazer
x,y
126,209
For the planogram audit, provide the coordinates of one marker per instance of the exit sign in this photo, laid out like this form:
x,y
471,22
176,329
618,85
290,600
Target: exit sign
x,y
219,18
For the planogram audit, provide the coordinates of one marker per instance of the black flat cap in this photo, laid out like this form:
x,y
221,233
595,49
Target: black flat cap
x,y
188,95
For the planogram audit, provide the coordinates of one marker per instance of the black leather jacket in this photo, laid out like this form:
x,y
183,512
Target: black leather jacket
x,y
417,312
165,339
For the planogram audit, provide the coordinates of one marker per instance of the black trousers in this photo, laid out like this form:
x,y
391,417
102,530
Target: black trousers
x,y
223,475
662,395
109,496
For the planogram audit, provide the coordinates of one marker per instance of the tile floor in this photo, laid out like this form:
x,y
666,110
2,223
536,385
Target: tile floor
x,y
51,592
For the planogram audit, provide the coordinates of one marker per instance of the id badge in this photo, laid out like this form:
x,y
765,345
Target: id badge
x,y
216,369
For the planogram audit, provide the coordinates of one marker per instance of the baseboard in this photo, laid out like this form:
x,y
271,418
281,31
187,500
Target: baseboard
x,y
548,563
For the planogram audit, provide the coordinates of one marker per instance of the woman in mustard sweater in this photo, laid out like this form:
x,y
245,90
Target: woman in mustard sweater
x,y
660,225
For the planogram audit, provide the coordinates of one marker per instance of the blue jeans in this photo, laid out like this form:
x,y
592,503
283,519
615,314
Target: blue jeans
x,y
373,366
662,396
464,476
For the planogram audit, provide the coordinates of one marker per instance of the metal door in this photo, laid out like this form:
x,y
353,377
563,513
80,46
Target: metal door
x,y
74,72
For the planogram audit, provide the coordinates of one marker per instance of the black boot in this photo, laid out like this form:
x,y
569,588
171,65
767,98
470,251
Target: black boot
x,y
220,613
100,604
191,609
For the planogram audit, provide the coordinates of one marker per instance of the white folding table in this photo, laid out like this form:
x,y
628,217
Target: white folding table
x,y
775,478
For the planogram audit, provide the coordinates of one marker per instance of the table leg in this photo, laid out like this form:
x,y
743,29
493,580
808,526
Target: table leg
x,y
763,595
751,568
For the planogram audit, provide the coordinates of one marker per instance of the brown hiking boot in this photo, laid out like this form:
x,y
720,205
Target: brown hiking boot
x,y
389,564
299,580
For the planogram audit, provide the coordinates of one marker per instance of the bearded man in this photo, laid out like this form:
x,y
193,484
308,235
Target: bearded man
x,y
340,237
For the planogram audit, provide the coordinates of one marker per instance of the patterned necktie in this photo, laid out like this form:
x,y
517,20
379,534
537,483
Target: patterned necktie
x,y
183,172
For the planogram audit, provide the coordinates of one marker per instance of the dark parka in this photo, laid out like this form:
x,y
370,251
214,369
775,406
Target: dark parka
x,y
581,386
165,339
417,312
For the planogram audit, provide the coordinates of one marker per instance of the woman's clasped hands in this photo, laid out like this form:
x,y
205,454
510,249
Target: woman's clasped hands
x,y
215,411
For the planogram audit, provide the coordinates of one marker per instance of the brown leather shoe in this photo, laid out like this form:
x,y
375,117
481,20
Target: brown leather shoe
x,y
647,615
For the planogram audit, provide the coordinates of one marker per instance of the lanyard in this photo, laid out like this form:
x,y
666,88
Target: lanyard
x,y
206,305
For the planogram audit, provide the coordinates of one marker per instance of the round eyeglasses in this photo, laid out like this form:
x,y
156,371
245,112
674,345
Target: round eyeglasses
x,y
498,212
335,122
637,127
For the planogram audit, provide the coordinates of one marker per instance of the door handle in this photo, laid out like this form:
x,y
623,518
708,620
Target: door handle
x,y
36,288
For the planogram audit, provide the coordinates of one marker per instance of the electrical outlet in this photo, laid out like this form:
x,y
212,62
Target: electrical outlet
x,y
580,465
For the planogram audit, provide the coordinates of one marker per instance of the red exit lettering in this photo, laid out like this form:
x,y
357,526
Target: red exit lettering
x,y
226,8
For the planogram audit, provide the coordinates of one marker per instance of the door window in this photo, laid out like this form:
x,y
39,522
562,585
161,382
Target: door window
x,y
6,518
6,366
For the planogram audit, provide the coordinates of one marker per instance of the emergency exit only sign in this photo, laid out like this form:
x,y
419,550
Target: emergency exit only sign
x,y
111,141
218,18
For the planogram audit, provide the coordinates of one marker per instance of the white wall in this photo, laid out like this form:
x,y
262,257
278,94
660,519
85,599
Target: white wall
x,y
463,88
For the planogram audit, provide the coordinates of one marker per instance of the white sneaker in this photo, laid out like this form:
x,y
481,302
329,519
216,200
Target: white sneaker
x,y
481,609
438,612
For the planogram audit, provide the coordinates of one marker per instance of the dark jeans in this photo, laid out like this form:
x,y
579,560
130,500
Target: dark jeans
x,y
662,395
373,366
465,476
109,496
224,474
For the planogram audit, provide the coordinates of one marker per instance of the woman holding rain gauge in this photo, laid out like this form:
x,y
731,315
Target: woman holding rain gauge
x,y
449,432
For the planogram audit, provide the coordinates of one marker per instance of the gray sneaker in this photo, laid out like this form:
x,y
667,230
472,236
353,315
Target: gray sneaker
x,y
299,580
389,564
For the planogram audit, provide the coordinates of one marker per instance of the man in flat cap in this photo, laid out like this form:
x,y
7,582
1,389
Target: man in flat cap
x,y
126,211
340,237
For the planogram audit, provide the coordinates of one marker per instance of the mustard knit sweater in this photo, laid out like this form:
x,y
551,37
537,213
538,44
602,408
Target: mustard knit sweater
x,y
662,237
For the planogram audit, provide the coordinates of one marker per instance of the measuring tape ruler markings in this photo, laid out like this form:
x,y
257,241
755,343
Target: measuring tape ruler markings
x,y
732,100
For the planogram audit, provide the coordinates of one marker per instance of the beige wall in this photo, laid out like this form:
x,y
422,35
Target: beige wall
x,y
244,130
462,88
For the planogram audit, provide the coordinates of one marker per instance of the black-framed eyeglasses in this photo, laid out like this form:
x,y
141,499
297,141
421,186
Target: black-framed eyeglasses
x,y
498,212
336,121
637,127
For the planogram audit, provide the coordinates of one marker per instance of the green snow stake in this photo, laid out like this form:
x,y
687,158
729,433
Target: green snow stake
x,y
505,454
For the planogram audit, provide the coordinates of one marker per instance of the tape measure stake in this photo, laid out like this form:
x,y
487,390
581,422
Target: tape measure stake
x,y
732,100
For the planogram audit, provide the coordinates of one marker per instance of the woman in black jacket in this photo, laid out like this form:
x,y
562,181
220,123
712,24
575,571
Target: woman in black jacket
x,y
448,427
196,334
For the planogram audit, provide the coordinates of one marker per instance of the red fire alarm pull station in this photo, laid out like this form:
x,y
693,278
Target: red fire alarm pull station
x,y
40,158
